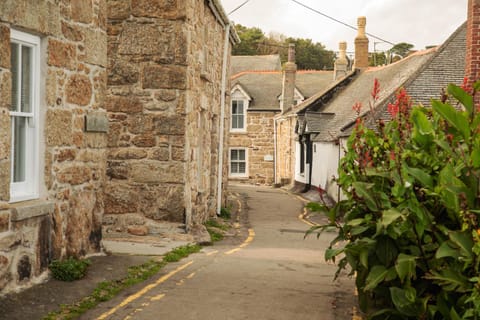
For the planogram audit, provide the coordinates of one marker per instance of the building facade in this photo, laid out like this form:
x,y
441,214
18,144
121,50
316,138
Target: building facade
x,y
165,64
110,114
53,59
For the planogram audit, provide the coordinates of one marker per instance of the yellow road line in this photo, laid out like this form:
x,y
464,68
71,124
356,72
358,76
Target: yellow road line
x,y
302,216
251,235
212,253
158,297
140,293
191,275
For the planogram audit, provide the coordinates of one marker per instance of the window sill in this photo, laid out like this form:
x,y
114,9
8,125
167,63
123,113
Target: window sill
x,y
31,209
237,178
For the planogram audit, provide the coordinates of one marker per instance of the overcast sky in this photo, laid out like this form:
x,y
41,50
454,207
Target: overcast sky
x,y
419,22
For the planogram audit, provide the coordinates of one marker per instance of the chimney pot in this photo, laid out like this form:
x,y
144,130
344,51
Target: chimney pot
x,y
361,45
291,52
341,64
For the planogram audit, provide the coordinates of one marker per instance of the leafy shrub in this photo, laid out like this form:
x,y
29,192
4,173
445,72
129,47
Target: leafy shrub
x,y
69,269
225,213
411,232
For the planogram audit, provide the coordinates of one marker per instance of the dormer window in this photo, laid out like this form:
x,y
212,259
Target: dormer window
x,y
239,106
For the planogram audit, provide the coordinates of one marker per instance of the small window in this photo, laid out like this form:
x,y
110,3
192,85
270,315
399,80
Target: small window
x,y
238,115
238,162
25,60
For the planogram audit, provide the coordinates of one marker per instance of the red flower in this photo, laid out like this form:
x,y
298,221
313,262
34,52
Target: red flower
x,y
393,109
376,89
466,86
357,107
392,155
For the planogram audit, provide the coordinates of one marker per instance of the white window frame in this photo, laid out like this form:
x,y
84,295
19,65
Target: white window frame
x,y
236,174
29,188
244,114
239,94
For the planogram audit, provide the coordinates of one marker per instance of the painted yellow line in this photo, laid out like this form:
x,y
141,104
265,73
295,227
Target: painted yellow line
x,y
302,216
212,253
191,275
251,235
140,293
159,297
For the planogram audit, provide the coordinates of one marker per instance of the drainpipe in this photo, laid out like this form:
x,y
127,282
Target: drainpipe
x,y
222,119
275,150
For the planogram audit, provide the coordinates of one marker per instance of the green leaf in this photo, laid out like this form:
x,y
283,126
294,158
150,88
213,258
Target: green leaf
x,y
376,275
445,250
454,315
475,157
450,280
464,98
330,254
356,222
386,250
453,117
389,216
421,176
464,242
405,266
421,122
404,301
363,190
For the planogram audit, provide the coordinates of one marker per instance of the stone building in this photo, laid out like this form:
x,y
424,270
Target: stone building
x,y
166,73
132,138
326,121
257,96
53,59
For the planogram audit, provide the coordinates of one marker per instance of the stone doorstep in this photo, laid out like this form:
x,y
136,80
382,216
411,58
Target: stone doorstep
x,y
148,248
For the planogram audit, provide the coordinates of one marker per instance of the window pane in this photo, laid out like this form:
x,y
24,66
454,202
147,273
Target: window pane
x,y
234,154
241,167
26,105
14,61
19,147
234,167
241,155
240,122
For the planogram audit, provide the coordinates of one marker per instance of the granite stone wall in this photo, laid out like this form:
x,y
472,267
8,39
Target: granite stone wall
x,y
66,218
258,139
163,101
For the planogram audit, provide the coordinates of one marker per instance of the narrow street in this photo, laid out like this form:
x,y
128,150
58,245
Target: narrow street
x,y
274,274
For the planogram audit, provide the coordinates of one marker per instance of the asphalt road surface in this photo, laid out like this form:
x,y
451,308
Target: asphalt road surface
x,y
274,273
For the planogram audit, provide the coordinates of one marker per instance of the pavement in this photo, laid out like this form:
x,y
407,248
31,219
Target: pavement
x,y
121,252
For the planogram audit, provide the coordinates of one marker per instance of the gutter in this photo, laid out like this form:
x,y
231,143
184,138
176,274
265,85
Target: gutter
x,y
230,36
222,120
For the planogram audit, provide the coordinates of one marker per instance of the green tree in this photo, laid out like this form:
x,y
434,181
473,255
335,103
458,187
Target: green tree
x,y
309,55
250,39
401,49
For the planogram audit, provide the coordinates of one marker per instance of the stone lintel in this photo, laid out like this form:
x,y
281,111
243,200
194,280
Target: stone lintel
x,y
31,209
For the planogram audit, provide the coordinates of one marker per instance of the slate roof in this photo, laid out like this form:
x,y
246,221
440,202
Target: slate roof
x,y
265,87
255,63
391,77
445,67
316,121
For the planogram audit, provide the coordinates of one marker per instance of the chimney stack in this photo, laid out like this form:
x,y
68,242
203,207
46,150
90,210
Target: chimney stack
x,y
341,64
472,63
288,82
361,45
